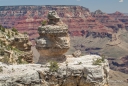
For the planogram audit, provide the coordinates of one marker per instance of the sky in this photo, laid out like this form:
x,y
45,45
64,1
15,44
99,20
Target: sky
x,y
108,6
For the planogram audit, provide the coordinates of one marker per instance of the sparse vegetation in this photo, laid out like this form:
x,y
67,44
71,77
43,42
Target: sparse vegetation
x,y
54,66
99,61
82,54
8,32
16,33
3,29
1,52
8,35
12,34
43,22
80,63
1,69
8,51
25,33
14,30
21,61
13,70
5,59
103,58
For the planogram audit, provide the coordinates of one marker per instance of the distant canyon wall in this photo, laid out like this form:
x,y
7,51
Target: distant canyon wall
x,y
80,20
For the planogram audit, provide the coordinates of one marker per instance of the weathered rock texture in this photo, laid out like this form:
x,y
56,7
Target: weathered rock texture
x,y
54,39
80,20
73,72
15,48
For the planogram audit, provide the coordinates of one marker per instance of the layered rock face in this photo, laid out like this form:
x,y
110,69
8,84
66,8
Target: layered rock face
x,y
121,17
23,43
15,48
28,18
108,21
54,39
79,19
80,71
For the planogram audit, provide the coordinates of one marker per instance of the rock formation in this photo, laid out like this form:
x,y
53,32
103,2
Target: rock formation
x,y
54,39
74,70
15,48
79,71
23,43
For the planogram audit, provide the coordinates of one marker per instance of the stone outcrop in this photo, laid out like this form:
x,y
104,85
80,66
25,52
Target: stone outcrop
x,y
79,71
23,43
77,53
15,48
54,39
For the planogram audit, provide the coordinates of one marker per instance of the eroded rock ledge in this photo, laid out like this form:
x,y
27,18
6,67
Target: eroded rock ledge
x,y
73,72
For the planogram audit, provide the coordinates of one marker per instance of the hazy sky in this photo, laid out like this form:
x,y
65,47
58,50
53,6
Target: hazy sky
x,y
108,6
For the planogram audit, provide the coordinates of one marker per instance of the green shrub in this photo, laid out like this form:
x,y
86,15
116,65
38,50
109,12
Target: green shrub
x,y
20,61
12,34
8,35
14,30
44,22
97,62
80,63
3,29
5,59
1,69
25,33
16,33
103,58
54,66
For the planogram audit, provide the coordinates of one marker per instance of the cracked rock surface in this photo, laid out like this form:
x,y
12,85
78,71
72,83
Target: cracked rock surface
x,y
73,72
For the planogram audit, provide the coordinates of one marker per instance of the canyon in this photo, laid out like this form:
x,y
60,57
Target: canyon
x,y
54,68
90,32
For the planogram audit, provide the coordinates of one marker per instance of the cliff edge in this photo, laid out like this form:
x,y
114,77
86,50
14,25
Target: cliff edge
x,y
81,71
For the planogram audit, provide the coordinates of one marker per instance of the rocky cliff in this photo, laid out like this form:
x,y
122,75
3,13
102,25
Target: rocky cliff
x,y
15,48
80,71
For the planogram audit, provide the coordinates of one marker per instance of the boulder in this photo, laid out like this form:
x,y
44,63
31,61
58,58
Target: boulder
x,y
77,53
